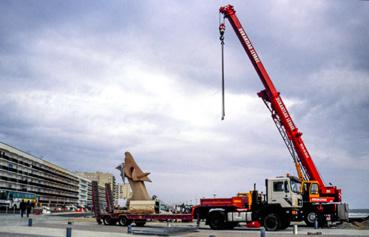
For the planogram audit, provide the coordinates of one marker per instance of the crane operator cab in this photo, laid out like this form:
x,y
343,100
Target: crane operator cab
x,y
310,190
284,191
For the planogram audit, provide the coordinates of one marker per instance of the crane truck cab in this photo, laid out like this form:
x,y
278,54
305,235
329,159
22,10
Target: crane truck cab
x,y
284,191
275,209
283,203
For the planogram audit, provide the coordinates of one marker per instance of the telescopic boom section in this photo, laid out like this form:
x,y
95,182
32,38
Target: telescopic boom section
x,y
272,96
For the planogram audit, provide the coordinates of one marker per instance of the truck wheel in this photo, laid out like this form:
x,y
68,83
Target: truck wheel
x,y
271,222
140,223
231,225
123,220
217,220
310,218
285,222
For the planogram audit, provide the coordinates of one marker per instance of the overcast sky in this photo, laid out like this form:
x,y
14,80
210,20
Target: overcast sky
x,y
84,81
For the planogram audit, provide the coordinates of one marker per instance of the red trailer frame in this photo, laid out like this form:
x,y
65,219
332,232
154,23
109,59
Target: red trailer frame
x,y
125,219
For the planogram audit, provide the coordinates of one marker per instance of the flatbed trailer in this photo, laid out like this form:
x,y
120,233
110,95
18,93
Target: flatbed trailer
x,y
111,216
125,219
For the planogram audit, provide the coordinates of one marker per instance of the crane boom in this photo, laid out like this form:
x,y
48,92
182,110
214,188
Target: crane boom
x,y
272,96
292,137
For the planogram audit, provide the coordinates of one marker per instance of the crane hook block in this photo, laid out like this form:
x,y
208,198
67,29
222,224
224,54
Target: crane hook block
x,y
222,30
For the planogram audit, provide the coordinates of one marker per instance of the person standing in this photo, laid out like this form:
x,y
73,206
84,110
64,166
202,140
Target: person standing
x,y
28,207
22,207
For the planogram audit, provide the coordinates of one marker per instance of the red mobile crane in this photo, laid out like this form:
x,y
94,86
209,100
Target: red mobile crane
x,y
320,201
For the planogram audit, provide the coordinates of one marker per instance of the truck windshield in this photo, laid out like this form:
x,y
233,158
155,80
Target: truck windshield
x,y
295,186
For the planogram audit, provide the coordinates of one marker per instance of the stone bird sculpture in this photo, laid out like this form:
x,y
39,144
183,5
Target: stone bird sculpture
x,y
136,178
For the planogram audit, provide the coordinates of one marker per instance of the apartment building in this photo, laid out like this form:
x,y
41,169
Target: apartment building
x,y
102,196
83,191
53,185
122,191
100,177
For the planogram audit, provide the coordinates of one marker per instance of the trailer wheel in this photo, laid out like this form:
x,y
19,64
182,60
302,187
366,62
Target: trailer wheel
x,y
272,222
109,221
310,218
140,223
216,220
124,221
106,220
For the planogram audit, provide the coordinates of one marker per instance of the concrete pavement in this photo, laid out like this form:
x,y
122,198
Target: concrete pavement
x,y
52,226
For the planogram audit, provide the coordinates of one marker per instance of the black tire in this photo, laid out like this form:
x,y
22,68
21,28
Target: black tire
x,y
309,218
231,225
123,221
106,220
272,222
109,221
285,223
216,220
140,223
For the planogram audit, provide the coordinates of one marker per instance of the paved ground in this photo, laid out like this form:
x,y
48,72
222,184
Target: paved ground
x,y
55,226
